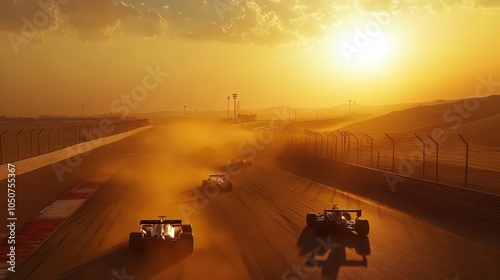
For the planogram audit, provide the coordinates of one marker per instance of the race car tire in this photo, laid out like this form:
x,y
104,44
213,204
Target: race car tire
x,y
362,227
229,187
322,227
135,242
362,246
311,219
187,228
187,243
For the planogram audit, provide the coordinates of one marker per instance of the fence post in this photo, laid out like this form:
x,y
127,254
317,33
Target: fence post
x,y
76,139
371,148
466,182
38,140
315,142
58,143
300,141
86,132
66,137
294,139
304,136
48,145
65,129
357,147
309,141
79,133
321,143
342,144
286,142
393,151
327,144
423,155
437,156
335,136
70,134
17,142
1,152
361,145
347,145
31,142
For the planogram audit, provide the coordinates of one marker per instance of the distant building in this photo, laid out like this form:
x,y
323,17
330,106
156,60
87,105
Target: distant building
x,y
247,118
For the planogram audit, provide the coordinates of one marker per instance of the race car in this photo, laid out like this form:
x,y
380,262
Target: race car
x,y
241,162
162,232
338,219
219,182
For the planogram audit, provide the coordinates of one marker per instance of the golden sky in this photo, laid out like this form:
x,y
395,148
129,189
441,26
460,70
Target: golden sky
x,y
113,56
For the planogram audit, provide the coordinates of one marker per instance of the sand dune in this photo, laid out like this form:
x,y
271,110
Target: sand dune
x,y
467,115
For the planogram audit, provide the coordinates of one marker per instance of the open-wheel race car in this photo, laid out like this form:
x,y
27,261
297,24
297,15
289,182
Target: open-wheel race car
x,y
241,162
218,181
162,232
338,219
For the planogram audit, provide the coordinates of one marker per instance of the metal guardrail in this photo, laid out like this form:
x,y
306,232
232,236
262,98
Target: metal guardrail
x,y
19,141
451,198
252,125
33,163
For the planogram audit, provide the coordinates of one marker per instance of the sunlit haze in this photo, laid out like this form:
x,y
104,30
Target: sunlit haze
x,y
271,53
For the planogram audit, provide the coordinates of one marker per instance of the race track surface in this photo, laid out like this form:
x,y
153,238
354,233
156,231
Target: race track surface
x,y
255,231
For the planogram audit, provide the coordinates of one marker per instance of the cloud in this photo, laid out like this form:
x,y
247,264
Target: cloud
x,y
268,23
150,24
488,3
95,19
261,22
26,16
409,6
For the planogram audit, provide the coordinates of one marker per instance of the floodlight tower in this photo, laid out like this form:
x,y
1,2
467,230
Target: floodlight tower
x,y
235,96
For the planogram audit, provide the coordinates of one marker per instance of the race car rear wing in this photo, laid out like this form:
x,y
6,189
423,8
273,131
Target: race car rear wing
x,y
158,222
357,211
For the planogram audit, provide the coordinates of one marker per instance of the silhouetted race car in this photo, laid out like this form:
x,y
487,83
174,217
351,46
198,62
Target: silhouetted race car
x,y
218,181
241,162
338,219
161,232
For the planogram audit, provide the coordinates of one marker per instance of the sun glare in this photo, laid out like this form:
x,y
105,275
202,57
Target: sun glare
x,y
376,54
360,48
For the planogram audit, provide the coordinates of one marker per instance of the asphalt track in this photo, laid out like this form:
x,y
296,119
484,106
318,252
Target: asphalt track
x,y
256,231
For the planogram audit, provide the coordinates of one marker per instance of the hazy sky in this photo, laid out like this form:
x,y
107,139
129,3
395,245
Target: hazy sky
x,y
114,56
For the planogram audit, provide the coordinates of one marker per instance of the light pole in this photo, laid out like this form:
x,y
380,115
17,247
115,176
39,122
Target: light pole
x,y
228,108
184,111
82,111
235,95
